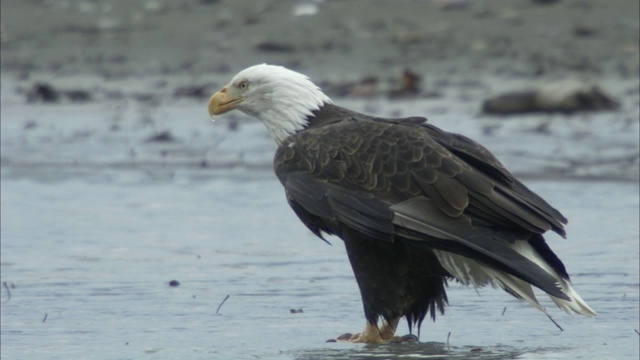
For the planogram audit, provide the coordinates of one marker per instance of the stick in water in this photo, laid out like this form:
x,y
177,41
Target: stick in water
x,y
219,306
553,321
8,291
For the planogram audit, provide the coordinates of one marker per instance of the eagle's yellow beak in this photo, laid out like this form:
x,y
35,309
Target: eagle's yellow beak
x,y
221,102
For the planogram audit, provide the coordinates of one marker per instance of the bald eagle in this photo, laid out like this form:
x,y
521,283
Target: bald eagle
x,y
415,206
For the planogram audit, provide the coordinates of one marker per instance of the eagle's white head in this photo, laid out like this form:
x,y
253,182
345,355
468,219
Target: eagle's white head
x,y
281,98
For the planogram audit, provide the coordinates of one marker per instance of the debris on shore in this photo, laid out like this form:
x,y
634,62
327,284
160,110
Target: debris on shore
x,y
409,85
46,93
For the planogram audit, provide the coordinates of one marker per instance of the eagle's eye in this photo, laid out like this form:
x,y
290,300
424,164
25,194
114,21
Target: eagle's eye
x,y
243,85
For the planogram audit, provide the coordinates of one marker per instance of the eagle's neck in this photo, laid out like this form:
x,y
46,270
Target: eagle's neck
x,y
284,121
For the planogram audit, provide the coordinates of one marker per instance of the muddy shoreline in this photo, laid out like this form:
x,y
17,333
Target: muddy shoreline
x,y
130,72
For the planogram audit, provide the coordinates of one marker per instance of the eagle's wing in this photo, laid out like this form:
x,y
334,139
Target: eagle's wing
x,y
482,160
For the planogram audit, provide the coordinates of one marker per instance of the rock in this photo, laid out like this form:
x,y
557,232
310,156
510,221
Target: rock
x,y
584,31
47,93
568,97
272,46
42,92
164,136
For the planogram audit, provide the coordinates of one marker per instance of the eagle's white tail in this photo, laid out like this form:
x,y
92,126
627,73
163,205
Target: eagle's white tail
x,y
471,272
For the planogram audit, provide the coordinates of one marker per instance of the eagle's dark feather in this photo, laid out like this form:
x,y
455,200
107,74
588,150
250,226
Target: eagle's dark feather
x,y
395,190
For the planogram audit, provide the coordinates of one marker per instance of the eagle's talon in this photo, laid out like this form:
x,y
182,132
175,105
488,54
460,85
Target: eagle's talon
x,y
410,338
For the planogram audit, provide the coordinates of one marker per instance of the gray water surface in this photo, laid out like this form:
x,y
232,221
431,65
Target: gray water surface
x,y
94,257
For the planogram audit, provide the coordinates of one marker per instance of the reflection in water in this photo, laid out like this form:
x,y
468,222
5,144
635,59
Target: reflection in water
x,y
426,350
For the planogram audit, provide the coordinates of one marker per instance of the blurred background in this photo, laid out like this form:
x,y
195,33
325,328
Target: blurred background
x,y
450,60
115,181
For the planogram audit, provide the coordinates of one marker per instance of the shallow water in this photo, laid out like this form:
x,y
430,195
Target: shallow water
x,y
95,259
96,221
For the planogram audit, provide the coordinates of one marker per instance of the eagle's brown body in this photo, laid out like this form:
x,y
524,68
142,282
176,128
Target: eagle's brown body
x,y
347,173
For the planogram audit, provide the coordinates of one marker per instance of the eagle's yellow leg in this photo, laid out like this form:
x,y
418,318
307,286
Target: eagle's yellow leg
x,y
374,335
389,329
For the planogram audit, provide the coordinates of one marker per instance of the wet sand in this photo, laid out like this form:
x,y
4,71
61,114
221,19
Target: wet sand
x,y
341,39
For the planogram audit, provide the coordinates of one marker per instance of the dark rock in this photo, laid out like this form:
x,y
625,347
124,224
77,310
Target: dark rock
x,y
42,92
164,136
271,46
583,31
174,283
47,93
